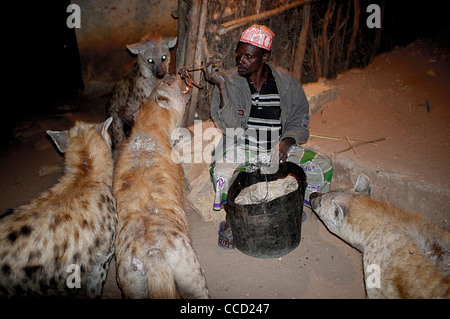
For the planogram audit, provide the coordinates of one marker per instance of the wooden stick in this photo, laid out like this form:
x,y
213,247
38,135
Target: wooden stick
x,y
181,33
351,146
315,53
191,33
198,57
325,47
234,24
358,144
351,46
376,42
335,138
339,67
198,68
301,47
336,37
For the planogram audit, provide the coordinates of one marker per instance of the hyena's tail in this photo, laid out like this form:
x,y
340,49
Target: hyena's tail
x,y
160,278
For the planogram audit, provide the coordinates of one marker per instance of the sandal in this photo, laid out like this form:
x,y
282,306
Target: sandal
x,y
225,241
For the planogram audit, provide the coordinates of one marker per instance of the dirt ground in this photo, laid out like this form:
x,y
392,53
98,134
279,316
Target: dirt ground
x,y
402,96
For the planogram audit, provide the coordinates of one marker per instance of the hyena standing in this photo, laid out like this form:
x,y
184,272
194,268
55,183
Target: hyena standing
x,y
64,238
152,64
404,255
154,255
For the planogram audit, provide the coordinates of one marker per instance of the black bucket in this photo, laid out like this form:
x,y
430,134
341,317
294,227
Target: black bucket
x,y
270,229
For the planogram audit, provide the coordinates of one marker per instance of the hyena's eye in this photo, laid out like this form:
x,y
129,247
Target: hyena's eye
x,y
164,57
150,60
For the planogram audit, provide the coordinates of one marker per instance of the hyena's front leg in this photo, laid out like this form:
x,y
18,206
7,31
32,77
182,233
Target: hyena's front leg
x,y
116,131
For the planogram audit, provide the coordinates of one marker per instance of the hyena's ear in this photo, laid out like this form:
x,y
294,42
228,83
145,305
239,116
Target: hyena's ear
x,y
60,138
171,42
102,129
362,185
135,47
162,100
340,212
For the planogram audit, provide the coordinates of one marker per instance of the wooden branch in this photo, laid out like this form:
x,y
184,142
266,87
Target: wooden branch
x,y
191,35
234,24
325,48
189,117
181,34
301,48
190,44
257,6
315,53
376,43
336,39
351,46
336,138
339,66
352,146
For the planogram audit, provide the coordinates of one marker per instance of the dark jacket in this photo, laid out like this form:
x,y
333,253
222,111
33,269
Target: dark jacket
x,y
235,114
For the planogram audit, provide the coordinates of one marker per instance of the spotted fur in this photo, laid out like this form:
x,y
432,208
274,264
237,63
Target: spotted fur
x,y
154,255
152,64
63,239
411,253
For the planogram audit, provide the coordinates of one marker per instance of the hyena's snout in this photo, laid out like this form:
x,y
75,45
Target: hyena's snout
x,y
160,71
315,199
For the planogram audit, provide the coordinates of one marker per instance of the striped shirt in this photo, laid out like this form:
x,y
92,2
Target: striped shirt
x,y
264,124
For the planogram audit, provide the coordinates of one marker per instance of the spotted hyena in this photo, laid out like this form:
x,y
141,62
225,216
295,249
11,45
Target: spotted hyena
x,y
404,255
64,238
154,255
152,64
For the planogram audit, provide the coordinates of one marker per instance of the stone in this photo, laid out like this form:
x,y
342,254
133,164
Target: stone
x,y
197,175
319,93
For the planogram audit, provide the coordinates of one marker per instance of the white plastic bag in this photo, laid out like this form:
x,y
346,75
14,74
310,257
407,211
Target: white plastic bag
x,y
264,192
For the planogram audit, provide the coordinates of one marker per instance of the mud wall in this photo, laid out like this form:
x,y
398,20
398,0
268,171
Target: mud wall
x,y
107,26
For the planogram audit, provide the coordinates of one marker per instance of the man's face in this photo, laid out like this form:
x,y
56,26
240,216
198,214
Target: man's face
x,y
249,58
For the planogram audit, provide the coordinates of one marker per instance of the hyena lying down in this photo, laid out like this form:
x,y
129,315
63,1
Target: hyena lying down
x,y
152,64
154,255
413,255
69,230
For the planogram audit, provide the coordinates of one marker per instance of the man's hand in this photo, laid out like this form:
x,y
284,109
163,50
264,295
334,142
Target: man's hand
x,y
212,75
282,149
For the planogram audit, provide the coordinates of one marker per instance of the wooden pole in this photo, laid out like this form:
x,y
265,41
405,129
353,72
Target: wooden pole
x,y
191,34
325,46
314,56
181,34
335,40
344,33
198,56
301,48
351,46
190,44
234,24
376,43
